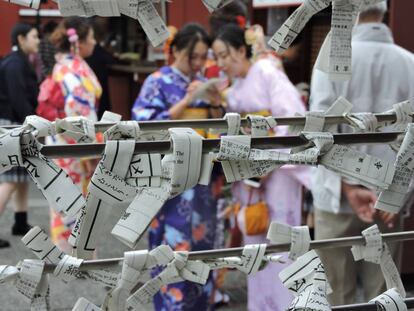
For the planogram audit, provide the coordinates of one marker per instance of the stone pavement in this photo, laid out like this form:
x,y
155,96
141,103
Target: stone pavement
x,y
64,296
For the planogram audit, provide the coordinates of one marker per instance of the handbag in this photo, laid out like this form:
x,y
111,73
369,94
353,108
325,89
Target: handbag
x,y
256,215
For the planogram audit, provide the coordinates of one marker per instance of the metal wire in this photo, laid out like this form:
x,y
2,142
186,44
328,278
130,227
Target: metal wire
x,y
370,306
222,124
281,142
237,251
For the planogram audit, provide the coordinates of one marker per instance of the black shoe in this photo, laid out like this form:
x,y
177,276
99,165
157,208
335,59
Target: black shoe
x,y
21,230
4,243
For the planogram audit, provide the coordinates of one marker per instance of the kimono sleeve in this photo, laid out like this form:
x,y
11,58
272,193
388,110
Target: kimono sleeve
x,y
284,98
151,103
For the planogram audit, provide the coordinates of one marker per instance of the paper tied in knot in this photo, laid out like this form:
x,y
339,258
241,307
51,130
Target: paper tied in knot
x,y
183,165
180,172
314,122
260,125
8,274
319,143
392,199
178,270
107,188
109,116
306,280
123,130
362,121
85,305
234,148
391,300
40,244
403,114
233,123
39,126
298,236
378,252
81,129
68,268
135,264
28,280
372,250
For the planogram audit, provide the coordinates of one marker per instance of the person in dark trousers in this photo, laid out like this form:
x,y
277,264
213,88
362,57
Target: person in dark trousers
x,y
18,99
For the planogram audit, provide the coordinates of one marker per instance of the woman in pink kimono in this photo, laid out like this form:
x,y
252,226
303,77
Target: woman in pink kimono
x,y
261,87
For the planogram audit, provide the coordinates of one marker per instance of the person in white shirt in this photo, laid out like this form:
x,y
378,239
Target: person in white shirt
x,y
382,75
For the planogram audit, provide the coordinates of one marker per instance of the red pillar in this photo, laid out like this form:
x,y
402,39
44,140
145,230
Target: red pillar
x,y
9,16
402,22
181,12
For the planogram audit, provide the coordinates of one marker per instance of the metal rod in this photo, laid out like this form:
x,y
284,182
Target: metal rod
x,y
280,142
222,124
237,251
370,306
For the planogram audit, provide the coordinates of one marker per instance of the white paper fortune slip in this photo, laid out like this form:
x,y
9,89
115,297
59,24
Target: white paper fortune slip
x,y
106,189
391,300
378,252
392,199
68,268
287,33
145,12
39,243
88,7
29,278
80,129
123,130
298,236
8,274
306,279
370,171
176,271
181,171
344,13
363,121
260,125
233,123
19,147
84,305
135,264
34,4
213,5
39,126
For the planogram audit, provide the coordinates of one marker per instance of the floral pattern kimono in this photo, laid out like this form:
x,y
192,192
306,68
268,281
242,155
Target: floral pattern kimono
x,y
72,90
186,222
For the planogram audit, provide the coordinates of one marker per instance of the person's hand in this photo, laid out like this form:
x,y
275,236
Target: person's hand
x,y
361,200
192,88
387,218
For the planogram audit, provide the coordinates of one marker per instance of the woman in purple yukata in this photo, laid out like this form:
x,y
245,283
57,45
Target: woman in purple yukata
x,y
186,222
262,88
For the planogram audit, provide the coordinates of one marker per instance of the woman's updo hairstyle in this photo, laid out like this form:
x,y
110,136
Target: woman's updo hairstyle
x,y
60,38
188,36
19,30
234,36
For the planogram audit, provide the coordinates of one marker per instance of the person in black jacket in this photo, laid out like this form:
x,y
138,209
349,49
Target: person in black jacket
x,y
18,98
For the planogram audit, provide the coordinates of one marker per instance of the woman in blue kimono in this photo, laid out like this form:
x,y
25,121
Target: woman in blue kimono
x,y
186,222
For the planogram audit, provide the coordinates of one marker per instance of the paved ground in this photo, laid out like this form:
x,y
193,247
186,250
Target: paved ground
x,y
64,296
